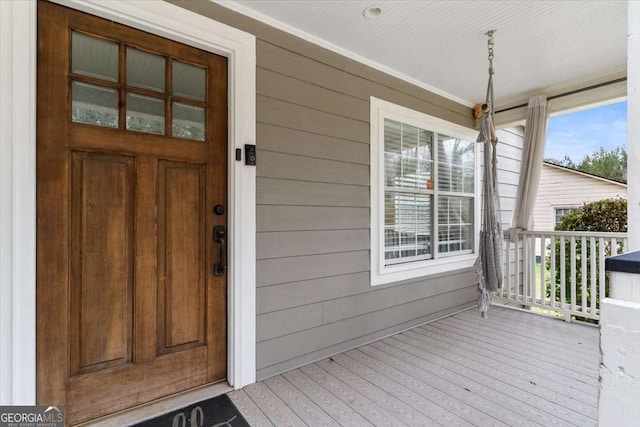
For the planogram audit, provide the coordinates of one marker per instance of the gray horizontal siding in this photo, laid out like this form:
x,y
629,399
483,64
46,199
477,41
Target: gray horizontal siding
x,y
280,244
284,270
299,92
303,193
288,348
292,294
330,310
284,114
314,295
307,144
299,218
301,168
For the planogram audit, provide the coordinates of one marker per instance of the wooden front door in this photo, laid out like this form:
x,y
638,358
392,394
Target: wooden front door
x,y
131,148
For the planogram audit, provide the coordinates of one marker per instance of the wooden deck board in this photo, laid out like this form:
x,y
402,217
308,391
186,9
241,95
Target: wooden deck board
x,y
513,369
546,381
580,368
527,336
550,368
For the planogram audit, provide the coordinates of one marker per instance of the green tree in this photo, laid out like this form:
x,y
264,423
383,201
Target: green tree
x,y
607,215
608,164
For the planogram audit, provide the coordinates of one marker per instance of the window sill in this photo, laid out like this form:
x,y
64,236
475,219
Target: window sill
x,y
402,272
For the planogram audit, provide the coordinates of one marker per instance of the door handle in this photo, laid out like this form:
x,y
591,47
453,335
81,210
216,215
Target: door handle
x,y
219,235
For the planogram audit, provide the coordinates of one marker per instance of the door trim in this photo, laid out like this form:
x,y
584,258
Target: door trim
x,y
18,178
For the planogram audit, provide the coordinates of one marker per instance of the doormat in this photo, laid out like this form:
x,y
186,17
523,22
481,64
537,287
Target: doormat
x,y
218,411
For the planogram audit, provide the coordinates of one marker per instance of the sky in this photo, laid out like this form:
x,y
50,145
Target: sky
x,y
581,133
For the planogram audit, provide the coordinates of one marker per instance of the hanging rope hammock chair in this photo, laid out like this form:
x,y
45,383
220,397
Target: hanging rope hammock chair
x,y
489,265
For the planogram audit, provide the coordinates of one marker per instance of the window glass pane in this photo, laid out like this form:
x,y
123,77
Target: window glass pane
x,y
94,57
407,156
145,70
443,239
443,210
392,136
455,218
468,178
409,141
145,114
455,241
467,238
410,172
391,244
425,144
424,181
455,162
466,210
188,121
95,105
407,213
391,235
423,224
407,225
392,170
189,81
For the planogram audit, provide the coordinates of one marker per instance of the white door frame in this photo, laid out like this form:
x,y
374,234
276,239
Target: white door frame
x,y
18,51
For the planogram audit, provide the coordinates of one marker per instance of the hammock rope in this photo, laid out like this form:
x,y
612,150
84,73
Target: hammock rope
x,y
489,265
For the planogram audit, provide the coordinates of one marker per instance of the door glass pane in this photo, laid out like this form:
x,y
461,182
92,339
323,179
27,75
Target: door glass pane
x,y
95,105
94,57
189,81
188,122
145,70
145,114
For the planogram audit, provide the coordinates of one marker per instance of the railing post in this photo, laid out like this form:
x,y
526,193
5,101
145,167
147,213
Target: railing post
x,y
620,343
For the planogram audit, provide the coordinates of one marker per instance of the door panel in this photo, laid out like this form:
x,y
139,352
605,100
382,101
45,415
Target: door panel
x,y
129,170
181,249
101,293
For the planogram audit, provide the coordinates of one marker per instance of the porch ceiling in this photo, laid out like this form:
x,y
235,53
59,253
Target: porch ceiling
x,y
540,45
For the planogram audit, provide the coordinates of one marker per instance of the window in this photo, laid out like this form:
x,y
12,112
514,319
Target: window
x,y
559,212
99,86
423,194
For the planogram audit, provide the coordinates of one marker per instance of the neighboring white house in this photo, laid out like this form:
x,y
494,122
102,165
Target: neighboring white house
x,y
562,189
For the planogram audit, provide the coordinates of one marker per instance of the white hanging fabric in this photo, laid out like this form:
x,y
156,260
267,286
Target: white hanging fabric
x,y
535,134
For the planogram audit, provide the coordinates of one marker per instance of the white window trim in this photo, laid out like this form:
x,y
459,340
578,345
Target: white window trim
x,y
381,274
18,178
553,212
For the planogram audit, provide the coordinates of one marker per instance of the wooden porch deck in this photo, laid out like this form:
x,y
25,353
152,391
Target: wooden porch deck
x,y
512,369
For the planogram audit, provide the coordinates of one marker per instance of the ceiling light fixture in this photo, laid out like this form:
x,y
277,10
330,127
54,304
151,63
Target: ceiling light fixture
x,y
372,12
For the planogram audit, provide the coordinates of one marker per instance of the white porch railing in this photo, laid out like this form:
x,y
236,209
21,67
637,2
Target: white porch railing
x,y
558,272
